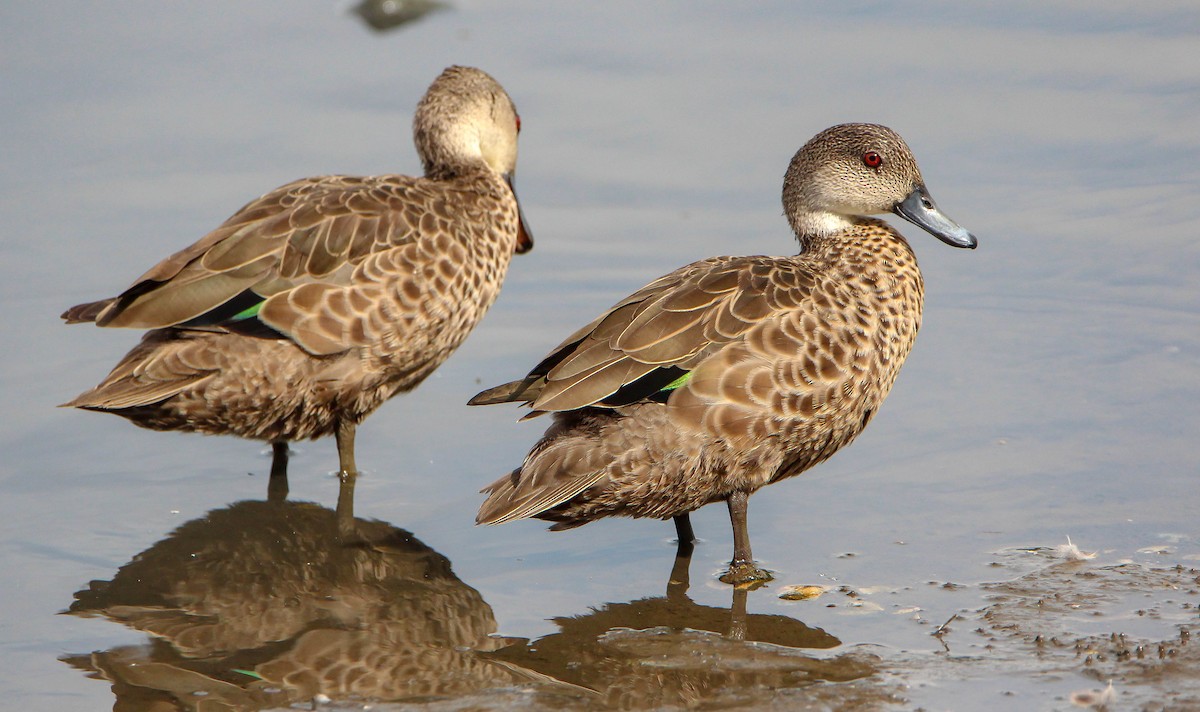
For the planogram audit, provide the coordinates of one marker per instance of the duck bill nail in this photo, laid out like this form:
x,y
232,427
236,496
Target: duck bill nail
x,y
524,239
920,210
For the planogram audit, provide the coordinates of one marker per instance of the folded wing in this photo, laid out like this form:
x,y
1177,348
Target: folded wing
x,y
307,261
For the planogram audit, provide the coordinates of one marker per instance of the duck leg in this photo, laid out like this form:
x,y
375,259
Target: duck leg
x,y
348,475
277,486
685,537
345,448
742,569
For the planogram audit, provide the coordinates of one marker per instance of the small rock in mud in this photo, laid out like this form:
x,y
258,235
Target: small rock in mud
x,y
801,593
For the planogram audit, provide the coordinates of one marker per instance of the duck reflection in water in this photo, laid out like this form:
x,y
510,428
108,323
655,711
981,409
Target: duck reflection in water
x,y
268,604
671,652
265,604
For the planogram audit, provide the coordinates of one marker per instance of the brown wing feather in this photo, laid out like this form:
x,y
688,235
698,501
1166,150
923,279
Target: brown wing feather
x,y
165,363
581,390
319,249
669,322
802,366
84,313
559,467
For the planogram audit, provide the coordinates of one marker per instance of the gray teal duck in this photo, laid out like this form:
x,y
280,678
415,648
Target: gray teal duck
x,y
733,373
315,303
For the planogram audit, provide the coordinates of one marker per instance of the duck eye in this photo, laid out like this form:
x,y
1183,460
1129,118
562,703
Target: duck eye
x,y
518,122
872,159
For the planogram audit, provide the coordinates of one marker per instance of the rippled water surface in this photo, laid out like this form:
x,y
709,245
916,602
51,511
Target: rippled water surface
x,y
1052,392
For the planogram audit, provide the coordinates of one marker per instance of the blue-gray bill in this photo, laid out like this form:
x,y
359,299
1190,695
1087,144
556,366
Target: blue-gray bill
x,y
920,210
524,238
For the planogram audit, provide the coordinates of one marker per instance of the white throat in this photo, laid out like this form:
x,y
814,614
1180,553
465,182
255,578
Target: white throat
x,y
820,223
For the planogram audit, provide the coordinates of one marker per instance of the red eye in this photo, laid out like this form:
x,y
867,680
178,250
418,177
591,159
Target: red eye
x,y
518,123
872,159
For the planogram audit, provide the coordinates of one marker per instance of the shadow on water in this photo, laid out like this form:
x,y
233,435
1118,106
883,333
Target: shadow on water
x,y
262,604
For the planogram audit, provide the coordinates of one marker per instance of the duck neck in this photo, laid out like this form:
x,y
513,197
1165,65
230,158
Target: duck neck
x,y
871,254
444,169
813,226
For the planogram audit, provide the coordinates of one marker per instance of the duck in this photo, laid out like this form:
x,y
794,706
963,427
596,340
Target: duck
x,y
733,373
315,303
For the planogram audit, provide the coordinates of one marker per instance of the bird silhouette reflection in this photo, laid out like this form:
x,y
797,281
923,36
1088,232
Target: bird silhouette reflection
x,y
266,604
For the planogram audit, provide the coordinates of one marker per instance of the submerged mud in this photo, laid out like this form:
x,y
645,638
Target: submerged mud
x,y
1080,625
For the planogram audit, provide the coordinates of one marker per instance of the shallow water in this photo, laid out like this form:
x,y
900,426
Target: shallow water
x,y
1052,392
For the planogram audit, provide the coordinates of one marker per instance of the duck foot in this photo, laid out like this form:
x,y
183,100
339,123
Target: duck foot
x,y
746,574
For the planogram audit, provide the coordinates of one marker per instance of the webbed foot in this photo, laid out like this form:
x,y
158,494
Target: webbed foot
x,y
746,574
